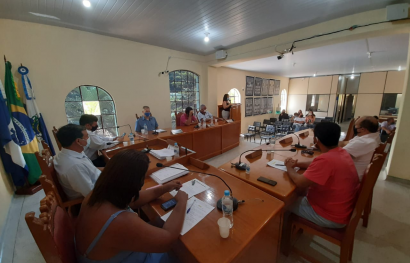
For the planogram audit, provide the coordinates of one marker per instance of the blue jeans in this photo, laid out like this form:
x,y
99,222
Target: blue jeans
x,y
303,209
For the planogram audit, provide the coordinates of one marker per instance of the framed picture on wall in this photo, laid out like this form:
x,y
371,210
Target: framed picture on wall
x,y
271,87
277,88
269,104
264,105
257,89
257,106
248,107
249,86
265,87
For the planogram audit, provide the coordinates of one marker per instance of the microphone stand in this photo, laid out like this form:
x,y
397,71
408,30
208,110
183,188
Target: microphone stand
x,y
299,145
219,203
240,166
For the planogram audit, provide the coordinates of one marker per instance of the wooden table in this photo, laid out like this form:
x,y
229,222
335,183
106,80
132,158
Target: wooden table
x,y
155,144
256,232
206,142
285,188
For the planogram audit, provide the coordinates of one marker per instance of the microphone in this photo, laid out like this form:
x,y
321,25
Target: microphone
x,y
240,166
125,125
299,145
219,203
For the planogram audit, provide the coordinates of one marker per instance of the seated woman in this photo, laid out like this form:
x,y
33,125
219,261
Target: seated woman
x,y
108,231
310,119
188,118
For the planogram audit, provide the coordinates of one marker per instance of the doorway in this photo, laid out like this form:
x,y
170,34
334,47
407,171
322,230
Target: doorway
x,y
346,98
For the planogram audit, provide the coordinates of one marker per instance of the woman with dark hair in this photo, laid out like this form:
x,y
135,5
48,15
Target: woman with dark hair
x,y
188,118
108,231
226,107
310,119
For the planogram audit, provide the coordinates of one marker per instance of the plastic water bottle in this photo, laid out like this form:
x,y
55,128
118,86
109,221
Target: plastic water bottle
x,y
227,206
131,136
176,150
145,129
203,123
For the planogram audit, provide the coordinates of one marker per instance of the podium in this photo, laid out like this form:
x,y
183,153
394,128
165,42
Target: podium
x,y
235,111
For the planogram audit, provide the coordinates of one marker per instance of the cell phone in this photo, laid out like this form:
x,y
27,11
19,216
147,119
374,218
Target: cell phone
x,y
122,136
169,204
267,181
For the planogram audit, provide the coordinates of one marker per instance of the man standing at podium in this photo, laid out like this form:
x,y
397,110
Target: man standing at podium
x,y
146,119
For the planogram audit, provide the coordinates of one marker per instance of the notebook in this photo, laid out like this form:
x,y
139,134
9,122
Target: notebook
x,y
168,174
162,154
176,131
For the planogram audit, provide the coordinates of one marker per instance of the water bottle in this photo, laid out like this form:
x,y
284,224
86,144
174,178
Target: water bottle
x,y
227,206
145,129
272,142
131,136
176,150
203,123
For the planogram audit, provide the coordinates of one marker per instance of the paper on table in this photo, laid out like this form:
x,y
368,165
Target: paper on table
x,y
160,130
190,189
198,212
280,166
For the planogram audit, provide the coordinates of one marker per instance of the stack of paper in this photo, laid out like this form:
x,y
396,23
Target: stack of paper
x,y
280,165
162,154
160,130
168,174
192,188
176,131
198,212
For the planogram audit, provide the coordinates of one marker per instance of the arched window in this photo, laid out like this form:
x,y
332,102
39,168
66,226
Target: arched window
x,y
92,100
184,91
235,96
283,100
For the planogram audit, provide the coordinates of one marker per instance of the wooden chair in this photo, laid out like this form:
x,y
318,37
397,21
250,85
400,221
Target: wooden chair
x,y
178,118
53,232
350,131
45,146
55,137
136,116
343,237
50,183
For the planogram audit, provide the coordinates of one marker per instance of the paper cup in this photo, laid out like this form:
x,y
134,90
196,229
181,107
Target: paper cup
x,y
125,143
169,158
142,131
224,227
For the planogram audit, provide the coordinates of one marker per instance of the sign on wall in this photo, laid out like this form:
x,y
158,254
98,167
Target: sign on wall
x,y
248,107
257,106
249,86
265,87
270,104
257,89
271,87
264,105
277,87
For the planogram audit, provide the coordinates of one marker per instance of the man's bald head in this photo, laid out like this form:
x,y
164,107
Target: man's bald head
x,y
366,125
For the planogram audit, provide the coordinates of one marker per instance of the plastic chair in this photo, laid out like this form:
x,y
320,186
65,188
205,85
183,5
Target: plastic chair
x,y
249,134
265,123
273,120
53,231
258,126
268,133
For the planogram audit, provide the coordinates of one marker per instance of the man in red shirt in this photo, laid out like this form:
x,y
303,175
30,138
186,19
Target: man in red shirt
x,y
331,179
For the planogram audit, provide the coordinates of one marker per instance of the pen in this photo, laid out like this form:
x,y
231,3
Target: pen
x,y
193,182
279,164
189,209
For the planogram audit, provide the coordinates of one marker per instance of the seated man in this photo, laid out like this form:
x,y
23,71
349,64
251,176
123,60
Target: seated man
x,y
386,128
331,179
362,147
147,120
283,116
188,118
298,122
76,173
97,142
203,114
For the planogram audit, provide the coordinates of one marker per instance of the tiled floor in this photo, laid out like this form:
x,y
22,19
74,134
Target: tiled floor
x,y
387,238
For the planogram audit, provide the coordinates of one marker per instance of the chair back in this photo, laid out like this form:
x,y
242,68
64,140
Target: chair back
x,y
391,136
251,128
273,120
350,131
366,188
270,129
266,122
53,231
178,118
55,137
47,167
285,120
136,116
45,146
257,124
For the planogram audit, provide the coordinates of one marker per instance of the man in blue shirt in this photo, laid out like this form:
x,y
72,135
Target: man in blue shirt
x,y
146,119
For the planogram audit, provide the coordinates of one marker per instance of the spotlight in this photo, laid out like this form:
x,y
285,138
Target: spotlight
x,y
281,56
206,39
352,76
399,68
86,3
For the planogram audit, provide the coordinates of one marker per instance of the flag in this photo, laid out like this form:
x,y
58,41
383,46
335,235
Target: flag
x,y
37,121
10,151
23,130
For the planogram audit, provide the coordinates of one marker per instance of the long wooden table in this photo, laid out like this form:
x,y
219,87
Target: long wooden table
x,y
206,142
285,188
256,232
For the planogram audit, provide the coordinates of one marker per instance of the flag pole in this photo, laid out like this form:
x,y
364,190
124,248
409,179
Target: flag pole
x,y
5,60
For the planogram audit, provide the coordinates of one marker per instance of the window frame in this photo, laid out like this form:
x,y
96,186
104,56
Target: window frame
x,y
237,95
283,99
101,125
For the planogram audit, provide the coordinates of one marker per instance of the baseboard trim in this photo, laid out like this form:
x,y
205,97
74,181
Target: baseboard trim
x,y
398,180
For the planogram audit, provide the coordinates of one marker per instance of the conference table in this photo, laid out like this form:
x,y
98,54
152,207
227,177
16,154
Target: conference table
x,y
285,189
255,235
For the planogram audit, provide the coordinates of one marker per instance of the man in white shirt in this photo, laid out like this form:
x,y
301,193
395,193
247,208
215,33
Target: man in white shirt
x,y
97,142
298,122
203,114
362,147
75,171
386,128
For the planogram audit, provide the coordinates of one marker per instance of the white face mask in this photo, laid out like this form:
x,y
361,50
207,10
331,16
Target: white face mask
x,y
88,143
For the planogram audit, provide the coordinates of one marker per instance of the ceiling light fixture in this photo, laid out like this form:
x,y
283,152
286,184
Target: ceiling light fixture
x,y
314,75
352,76
399,68
86,3
45,16
206,39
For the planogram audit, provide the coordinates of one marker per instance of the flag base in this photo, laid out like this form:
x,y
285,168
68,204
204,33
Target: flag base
x,y
29,189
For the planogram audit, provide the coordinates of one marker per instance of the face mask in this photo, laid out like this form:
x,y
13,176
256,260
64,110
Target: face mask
x,y
94,128
88,143
147,114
